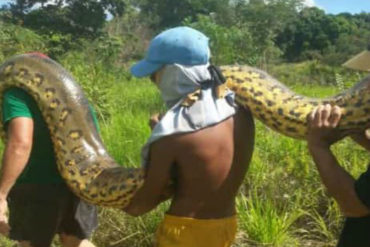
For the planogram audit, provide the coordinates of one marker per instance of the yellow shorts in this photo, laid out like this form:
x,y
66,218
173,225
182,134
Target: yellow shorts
x,y
188,232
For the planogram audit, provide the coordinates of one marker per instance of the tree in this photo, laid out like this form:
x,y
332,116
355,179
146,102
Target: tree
x,y
115,7
170,13
313,33
265,20
67,16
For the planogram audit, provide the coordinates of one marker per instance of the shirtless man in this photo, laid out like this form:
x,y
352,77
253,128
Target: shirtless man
x,y
208,163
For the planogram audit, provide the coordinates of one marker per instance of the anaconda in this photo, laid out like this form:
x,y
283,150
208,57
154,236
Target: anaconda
x,y
285,111
92,173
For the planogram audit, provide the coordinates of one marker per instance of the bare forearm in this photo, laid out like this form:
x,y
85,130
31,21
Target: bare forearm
x,y
14,161
142,203
141,206
339,183
157,179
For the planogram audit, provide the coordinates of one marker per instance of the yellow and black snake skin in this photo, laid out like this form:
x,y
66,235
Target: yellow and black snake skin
x,y
81,156
285,111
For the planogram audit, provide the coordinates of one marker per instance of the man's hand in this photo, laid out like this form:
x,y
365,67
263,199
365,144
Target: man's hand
x,y
322,132
322,123
154,119
168,192
4,227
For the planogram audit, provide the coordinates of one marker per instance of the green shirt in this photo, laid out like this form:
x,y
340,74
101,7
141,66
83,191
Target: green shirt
x,y
41,167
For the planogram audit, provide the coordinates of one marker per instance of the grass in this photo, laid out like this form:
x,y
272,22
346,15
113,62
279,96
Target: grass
x,y
281,203
263,224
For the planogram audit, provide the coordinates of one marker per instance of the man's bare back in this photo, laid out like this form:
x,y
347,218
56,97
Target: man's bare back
x,y
210,166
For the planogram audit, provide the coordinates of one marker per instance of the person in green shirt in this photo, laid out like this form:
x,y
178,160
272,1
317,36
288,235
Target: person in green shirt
x,y
40,204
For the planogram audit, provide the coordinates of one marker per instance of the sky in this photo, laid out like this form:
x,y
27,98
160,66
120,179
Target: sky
x,y
330,6
339,6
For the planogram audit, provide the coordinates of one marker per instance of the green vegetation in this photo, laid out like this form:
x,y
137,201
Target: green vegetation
x,y
282,202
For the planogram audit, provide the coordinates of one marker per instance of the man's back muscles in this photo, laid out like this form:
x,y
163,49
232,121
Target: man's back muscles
x,y
210,166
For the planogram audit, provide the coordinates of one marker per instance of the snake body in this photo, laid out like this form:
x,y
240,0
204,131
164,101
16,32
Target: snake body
x,y
82,159
81,156
285,111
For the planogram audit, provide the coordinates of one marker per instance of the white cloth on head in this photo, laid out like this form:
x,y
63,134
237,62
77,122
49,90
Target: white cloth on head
x,y
177,81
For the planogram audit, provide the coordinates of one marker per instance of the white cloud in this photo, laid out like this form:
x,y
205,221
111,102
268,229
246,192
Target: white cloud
x,y
309,3
312,3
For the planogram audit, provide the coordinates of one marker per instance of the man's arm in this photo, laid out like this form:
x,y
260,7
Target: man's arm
x,y
16,153
15,157
157,180
339,183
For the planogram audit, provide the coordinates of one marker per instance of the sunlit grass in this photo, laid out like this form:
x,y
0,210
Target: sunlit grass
x,y
263,224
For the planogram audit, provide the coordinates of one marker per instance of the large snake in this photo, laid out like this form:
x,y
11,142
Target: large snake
x,y
81,156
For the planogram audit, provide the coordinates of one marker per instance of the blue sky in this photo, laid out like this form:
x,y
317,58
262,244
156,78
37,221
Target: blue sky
x,y
330,6
338,6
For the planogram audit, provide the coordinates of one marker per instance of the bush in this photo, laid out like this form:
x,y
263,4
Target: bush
x,y
314,72
228,45
15,40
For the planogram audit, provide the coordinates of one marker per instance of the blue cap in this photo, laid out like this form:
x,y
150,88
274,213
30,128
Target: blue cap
x,y
181,45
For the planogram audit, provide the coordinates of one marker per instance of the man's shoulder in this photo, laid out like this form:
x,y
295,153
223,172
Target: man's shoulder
x,y
212,136
16,103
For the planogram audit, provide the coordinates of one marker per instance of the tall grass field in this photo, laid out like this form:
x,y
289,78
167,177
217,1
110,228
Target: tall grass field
x,y
281,203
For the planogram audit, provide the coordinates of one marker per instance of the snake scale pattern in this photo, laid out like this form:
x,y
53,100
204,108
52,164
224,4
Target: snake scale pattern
x,y
286,112
82,158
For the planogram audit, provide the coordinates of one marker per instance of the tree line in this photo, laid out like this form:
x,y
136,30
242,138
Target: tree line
x,y
247,32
